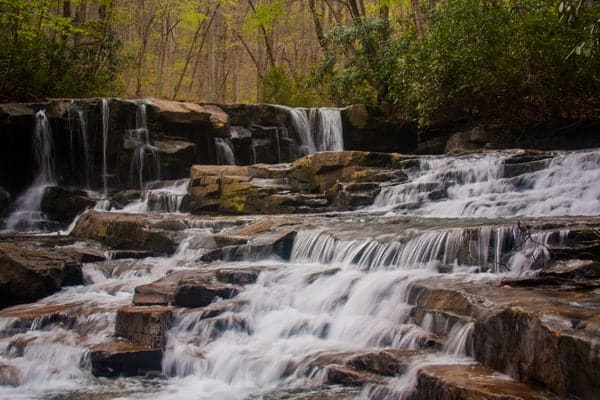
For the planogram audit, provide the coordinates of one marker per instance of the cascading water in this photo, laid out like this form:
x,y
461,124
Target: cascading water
x,y
327,128
105,130
145,161
319,129
225,155
477,186
84,150
27,214
341,292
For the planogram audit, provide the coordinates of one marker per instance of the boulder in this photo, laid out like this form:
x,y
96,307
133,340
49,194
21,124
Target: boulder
x,y
124,232
146,326
28,274
121,358
63,204
185,113
198,293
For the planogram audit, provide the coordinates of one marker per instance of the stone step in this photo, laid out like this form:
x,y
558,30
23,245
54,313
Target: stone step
x,y
471,382
122,358
540,336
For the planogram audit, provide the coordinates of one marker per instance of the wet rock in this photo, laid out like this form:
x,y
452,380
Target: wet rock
x,y
63,205
120,358
176,156
124,232
27,274
342,375
192,293
124,197
10,376
236,276
146,326
466,382
185,113
389,362
135,254
83,255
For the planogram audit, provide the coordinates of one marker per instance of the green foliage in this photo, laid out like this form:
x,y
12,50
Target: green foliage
x,y
279,88
507,59
48,54
358,62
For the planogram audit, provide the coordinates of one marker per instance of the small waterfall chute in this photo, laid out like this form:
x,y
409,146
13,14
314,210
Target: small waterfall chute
x,y
225,154
27,214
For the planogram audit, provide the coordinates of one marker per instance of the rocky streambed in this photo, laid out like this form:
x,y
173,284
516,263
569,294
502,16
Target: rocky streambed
x,y
340,275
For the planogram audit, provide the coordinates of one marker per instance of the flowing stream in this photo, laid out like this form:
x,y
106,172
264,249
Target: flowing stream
x,y
344,288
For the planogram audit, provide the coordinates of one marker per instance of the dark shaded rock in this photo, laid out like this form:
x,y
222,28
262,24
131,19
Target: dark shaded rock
x,y
124,197
4,201
63,205
146,326
83,255
135,254
124,232
471,382
120,358
27,274
343,375
198,294
376,128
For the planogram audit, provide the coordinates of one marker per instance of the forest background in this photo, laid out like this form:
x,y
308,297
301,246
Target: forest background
x,y
428,60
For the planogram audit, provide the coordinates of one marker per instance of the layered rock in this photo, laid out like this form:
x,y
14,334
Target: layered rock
x,y
28,274
315,183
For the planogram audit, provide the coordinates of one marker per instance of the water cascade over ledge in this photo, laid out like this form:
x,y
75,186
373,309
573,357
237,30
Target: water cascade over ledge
x,y
474,274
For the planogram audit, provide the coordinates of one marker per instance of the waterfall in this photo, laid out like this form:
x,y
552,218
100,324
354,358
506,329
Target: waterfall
x,y
327,128
27,214
105,128
164,199
319,129
145,161
84,143
477,186
225,155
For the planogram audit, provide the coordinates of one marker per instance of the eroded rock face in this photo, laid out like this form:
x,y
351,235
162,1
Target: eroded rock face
x,y
120,358
146,326
63,205
320,182
27,274
124,232
471,382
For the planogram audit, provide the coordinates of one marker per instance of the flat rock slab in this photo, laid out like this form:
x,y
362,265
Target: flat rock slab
x,y
472,382
120,358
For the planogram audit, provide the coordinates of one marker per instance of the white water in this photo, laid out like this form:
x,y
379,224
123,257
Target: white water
x,y
84,160
319,129
27,214
225,155
475,186
145,162
105,132
335,295
165,199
